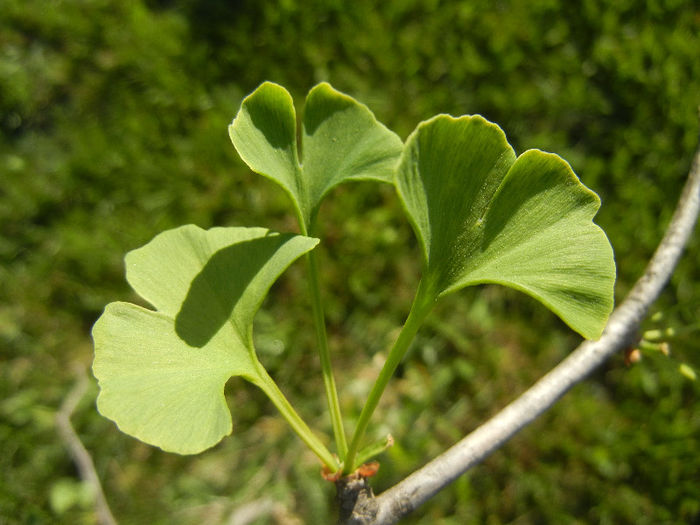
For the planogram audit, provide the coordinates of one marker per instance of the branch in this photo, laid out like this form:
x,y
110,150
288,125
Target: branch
x,y
78,452
423,484
255,510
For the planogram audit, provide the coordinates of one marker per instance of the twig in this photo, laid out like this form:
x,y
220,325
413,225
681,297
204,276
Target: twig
x,y
255,510
423,484
79,453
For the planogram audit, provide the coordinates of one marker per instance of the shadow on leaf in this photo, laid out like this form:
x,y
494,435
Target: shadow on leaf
x,y
221,287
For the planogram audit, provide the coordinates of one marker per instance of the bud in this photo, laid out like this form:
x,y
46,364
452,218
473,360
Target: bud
x,y
632,355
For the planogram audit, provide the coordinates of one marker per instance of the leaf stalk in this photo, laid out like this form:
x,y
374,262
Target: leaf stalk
x,y
272,391
324,355
422,305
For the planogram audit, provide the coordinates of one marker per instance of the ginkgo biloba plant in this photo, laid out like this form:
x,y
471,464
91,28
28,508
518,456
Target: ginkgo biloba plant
x,y
481,215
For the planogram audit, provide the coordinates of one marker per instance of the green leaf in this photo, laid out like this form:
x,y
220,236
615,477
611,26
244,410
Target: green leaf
x,y
483,216
341,141
162,373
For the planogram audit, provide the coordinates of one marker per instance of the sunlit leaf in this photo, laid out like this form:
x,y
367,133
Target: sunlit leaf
x,y
341,141
484,216
162,372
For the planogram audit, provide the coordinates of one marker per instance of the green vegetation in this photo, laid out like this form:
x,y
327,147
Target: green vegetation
x,y
113,118
482,216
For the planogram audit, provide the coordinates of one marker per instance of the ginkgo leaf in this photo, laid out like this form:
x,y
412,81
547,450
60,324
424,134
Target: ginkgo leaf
x,y
162,372
341,141
484,216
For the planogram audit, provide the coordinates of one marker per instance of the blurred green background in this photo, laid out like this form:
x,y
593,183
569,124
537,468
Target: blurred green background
x,y
113,118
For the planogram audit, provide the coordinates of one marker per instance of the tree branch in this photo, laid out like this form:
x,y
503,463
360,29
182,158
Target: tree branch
x,y
81,457
423,484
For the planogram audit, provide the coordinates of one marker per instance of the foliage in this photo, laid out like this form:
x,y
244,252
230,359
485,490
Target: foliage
x,y
482,215
341,141
113,118
162,373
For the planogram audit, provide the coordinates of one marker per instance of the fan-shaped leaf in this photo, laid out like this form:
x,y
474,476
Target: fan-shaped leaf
x,y
162,373
341,141
483,216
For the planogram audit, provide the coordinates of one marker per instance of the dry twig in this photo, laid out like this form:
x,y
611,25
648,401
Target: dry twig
x,y
81,457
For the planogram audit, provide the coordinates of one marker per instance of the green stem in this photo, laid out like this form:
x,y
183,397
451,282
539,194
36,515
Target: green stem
x,y
325,357
268,385
422,304
374,449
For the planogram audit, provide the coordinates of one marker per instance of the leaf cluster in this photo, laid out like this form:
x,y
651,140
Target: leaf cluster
x,y
481,216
